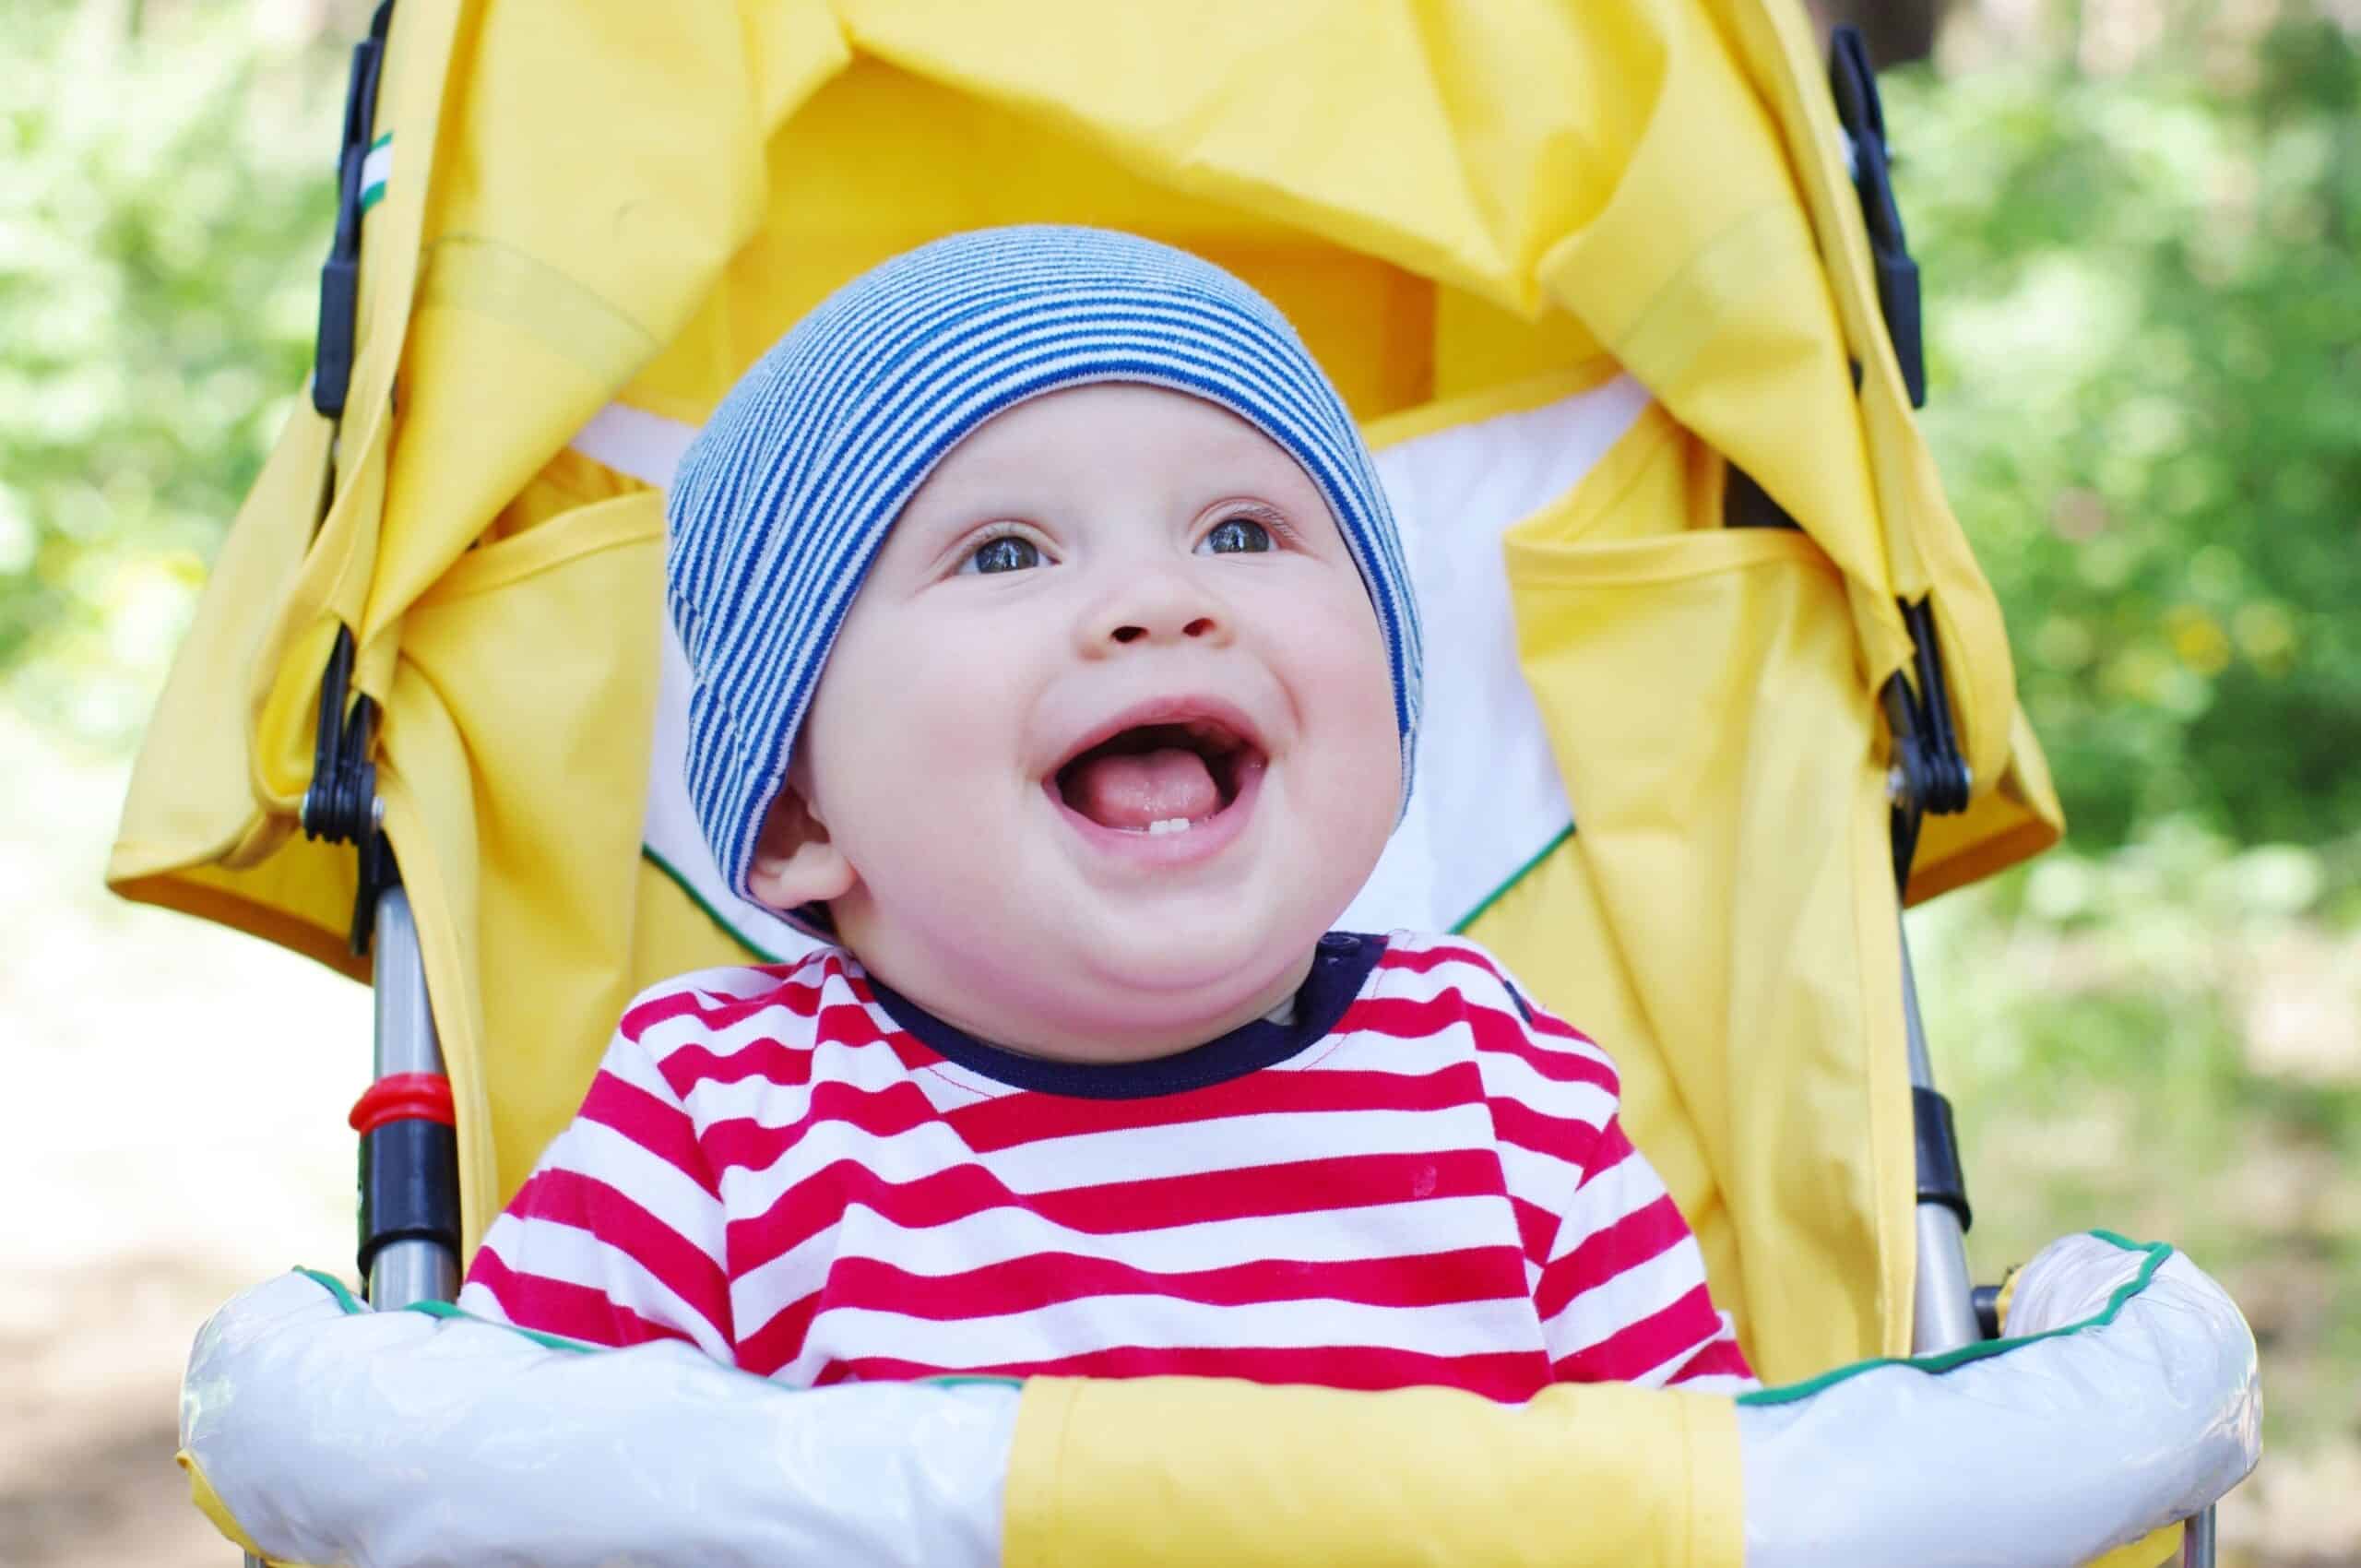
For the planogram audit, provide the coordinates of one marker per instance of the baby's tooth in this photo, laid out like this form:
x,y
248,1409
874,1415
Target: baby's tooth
x,y
1169,824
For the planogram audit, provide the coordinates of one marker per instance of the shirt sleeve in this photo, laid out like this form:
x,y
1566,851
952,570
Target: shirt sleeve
x,y
618,1236
1623,1296
1621,1293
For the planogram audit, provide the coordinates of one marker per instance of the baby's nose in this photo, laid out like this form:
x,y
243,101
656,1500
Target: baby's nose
x,y
1155,606
1133,632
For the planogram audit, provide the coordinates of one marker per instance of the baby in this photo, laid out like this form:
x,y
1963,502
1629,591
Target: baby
x,y
1055,659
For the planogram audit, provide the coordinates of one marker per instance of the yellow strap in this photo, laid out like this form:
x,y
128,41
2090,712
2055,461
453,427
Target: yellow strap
x,y
208,1502
2151,1551
1182,1472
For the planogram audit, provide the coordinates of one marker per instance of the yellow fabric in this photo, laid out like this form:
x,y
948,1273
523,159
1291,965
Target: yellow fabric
x,y
599,200
2015,813
1749,991
499,752
208,1502
2008,1297
2152,1551
1181,1472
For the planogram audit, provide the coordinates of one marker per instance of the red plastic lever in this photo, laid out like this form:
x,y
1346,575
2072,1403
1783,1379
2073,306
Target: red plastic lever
x,y
403,1097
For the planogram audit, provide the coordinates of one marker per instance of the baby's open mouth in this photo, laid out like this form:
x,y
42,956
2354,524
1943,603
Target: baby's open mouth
x,y
1158,778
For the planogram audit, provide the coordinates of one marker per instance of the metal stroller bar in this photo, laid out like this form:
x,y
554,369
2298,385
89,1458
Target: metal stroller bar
x,y
342,804
1943,1312
1930,774
409,1242
404,1265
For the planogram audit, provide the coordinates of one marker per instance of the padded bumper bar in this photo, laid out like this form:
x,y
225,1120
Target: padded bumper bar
x,y
316,1431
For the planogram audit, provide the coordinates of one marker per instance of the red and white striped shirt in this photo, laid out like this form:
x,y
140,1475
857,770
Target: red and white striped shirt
x,y
1420,1179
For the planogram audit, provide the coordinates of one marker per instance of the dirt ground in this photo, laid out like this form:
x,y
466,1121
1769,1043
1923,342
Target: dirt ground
x,y
172,1130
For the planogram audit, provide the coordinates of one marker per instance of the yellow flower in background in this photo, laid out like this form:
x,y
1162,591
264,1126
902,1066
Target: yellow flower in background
x,y
2197,639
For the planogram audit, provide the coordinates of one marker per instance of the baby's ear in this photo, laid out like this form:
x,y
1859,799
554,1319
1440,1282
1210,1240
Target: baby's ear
x,y
795,860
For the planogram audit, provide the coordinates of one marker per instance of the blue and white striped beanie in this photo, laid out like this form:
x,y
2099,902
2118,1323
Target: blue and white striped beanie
x,y
783,501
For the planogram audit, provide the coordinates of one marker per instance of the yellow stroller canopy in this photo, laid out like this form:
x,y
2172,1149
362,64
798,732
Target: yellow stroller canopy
x,y
1584,272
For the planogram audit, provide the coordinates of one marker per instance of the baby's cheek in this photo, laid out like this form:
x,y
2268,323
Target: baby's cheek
x,y
1355,682
955,700
1347,689
921,741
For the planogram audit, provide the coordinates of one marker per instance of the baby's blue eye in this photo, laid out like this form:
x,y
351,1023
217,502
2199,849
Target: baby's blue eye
x,y
1009,552
1236,536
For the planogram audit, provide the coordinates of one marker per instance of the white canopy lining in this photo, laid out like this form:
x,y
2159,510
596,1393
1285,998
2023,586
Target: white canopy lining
x,y
1488,798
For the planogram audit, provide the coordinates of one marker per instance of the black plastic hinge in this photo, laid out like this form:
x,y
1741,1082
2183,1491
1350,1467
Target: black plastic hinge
x,y
340,274
1929,773
340,805
1942,1179
1855,85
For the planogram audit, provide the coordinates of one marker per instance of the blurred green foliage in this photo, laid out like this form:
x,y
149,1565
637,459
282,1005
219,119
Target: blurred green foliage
x,y
2166,1040
165,191
2144,310
2144,319
2145,356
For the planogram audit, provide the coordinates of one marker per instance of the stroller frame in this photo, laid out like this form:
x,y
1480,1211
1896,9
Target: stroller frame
x,y
410,1223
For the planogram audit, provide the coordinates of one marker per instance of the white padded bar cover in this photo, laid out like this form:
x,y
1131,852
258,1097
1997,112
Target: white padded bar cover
x,y
2044,1456
396,1440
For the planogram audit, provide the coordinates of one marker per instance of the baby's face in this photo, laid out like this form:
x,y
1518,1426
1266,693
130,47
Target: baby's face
x,y
1107,739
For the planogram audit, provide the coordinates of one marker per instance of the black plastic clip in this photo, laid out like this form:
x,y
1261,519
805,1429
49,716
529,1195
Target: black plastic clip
x,y
340,274
1863,117
1942,1179
342,804
1930,774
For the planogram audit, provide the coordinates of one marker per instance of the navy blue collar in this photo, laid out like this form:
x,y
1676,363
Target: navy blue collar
x,y
1340,967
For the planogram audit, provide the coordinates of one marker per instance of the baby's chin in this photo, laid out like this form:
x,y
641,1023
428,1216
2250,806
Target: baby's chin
x,y
1193,976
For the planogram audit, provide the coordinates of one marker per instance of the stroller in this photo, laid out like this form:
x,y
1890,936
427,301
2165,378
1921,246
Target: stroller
x,y
1621,299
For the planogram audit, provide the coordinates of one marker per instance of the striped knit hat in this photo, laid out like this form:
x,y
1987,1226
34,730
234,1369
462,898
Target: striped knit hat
x,y
783,501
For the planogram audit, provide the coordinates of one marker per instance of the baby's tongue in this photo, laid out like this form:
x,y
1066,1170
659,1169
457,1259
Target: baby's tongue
x,y
1139,788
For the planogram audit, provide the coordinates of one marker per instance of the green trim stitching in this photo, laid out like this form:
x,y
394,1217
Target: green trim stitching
x,y
648,853
385,140
1460,926
2157,1252
334,1287
962,1380
548,1341
687,887
353,1307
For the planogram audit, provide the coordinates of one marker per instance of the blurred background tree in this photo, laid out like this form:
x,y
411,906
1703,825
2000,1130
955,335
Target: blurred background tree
x,y
2147,391
2138,223
165,198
